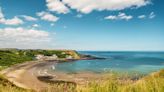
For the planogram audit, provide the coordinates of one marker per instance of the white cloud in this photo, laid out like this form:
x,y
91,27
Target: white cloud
x,y
87,6
20,37
120,16
35,25
1,13
111,17
79,15
13,21
29,18
152,15
142,16
47,16
52,24
57,6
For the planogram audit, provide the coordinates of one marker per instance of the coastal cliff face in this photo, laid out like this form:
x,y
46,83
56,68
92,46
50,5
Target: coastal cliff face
x,y
73,53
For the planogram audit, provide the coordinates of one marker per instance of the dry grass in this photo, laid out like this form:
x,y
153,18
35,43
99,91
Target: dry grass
x,y
6,86
151,83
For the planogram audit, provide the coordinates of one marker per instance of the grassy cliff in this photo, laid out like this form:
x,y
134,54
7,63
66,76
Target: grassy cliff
x,y
10,57
151,83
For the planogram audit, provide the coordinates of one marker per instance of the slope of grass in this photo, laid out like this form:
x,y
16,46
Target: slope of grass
x,y
6,86
9,57
151,83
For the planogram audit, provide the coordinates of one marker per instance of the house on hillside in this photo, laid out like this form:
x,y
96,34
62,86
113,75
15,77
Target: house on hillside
x,y
42,57
53,57
39,57
69,57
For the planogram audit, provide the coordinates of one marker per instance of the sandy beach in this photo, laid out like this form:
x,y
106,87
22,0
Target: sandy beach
x,y
25,75
37,74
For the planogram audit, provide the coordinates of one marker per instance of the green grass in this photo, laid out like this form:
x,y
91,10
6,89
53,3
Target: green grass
x,y
9,57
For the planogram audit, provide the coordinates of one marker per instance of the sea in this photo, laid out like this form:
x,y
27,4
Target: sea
x,y
115,61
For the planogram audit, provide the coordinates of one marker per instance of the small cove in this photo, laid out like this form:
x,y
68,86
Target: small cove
x,y
122,62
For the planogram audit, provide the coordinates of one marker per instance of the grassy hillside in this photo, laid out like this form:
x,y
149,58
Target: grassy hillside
x,y
10,57
151,83
113,83
6,86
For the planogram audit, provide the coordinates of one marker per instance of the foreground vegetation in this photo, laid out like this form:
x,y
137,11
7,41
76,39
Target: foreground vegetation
x,y
10,57
6,86
151,83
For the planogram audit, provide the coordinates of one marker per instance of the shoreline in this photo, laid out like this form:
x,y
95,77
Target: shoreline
x,y
26,75
29,74
21,77
37,75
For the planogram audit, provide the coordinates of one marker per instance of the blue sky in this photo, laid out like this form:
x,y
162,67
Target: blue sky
x,y
113,25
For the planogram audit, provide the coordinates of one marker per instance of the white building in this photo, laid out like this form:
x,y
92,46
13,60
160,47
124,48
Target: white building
x,y
39,57
69,57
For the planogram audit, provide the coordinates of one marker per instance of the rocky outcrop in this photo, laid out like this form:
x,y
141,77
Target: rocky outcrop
x,y
90,57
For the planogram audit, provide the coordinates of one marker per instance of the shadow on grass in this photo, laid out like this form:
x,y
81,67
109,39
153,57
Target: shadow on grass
x,y
48,79
58,85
